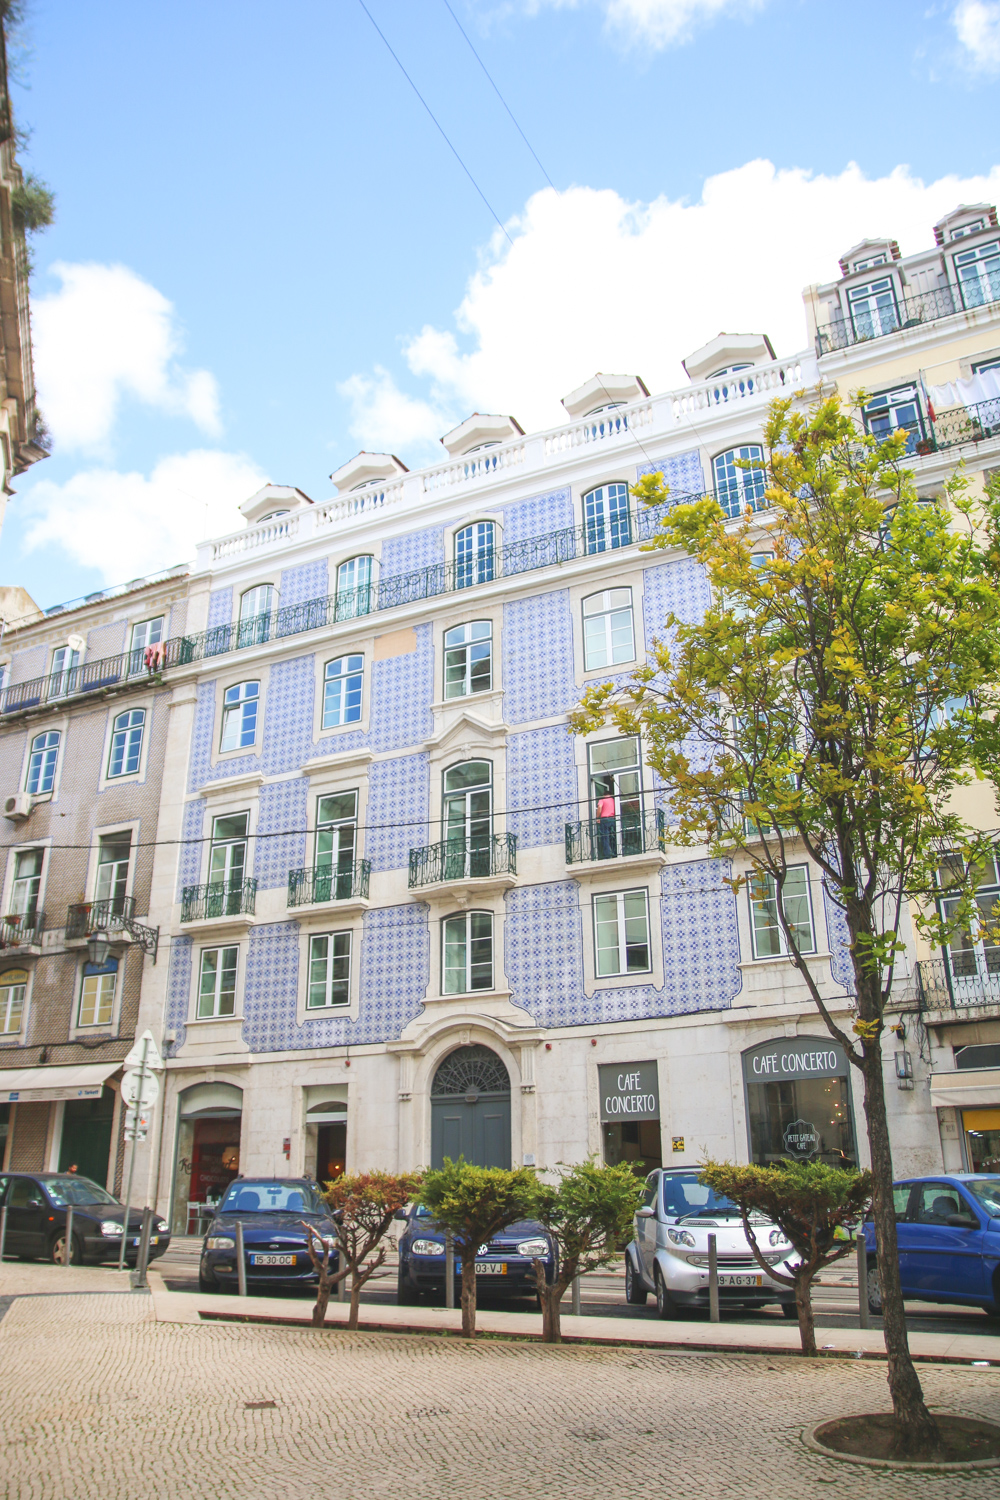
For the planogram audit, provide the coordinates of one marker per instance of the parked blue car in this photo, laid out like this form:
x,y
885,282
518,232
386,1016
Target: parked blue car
x,y
504,1266
948,1229
274,1212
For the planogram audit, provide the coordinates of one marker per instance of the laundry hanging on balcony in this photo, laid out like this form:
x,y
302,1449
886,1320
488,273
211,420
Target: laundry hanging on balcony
x,y
982,387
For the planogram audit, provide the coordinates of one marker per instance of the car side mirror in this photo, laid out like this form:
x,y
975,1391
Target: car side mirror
x,y
962,1221
646,1212
34,1203
401,1214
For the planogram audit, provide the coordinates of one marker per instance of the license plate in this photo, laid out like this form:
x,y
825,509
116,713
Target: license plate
x,y
154,1239
741,1280
491,1268
272,1260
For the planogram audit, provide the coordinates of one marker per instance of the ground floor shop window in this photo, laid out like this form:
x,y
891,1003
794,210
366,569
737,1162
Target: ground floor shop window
x,y
637,1142
4,1132
630,1115
982,1139
798,1097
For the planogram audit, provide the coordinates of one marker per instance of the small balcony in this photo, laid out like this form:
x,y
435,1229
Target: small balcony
x,y
220,899
637,839
111,915
22,931
326,884
960,981
482,864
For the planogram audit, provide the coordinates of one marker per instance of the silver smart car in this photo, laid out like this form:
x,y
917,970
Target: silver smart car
x,y
669,1254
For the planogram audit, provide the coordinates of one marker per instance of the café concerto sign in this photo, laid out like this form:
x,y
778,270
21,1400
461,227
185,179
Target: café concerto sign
x,y
795,1058
629,1091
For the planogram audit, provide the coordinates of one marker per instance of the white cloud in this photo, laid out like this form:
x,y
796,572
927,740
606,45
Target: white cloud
x,y
383,415
662,23
977,25
103,335
128,525
593,282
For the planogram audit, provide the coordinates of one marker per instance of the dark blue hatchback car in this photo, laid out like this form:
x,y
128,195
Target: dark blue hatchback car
x,y
503,1267
273,1212
948,1229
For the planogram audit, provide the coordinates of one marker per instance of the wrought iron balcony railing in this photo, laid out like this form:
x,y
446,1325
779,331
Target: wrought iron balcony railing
x,y
864,322
464,859
615,838
114,915
327,883
200,903
960,980
966,424
22,929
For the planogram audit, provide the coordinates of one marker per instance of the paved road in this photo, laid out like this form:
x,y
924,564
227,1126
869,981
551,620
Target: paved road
x,y
603,1294
102,1403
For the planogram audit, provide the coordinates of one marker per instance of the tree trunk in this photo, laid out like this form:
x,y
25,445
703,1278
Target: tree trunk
x,y
468,1293
803,1306
917,1429
356,1285
551,1298
322,1299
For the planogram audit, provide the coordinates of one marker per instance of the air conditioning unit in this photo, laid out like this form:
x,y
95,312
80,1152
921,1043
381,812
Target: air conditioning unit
x,y
18,806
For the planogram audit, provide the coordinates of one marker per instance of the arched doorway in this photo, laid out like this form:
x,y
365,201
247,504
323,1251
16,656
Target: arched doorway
x,y
208,1152
470,1109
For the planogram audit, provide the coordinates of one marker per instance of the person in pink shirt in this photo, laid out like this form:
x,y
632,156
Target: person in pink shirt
x,y
606,826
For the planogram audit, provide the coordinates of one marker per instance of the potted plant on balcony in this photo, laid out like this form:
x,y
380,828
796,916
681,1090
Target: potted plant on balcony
x,y
925,446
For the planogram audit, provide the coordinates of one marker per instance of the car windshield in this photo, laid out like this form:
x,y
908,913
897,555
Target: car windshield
x,y
271,1198
687,1198
77,1191
986,1191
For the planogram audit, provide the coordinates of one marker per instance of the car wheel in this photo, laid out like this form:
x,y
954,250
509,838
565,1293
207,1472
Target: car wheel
x,y
665,1305
207,1282
56,1249
874,1290
790,1311
406,1294
635,1292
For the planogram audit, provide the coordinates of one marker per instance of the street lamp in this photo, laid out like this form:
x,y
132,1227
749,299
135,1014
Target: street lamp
x,y
98,947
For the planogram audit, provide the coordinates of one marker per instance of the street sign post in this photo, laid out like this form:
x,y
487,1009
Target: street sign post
x,y
140,1088
154,1062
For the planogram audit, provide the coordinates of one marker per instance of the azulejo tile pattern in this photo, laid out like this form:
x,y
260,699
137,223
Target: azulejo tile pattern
x,y
542,778
283,805
395,969
190,862
402,689
841,968
309,581
538,657
220,607
697,919
106,640
538,515
418,549
679,588
178,989
25,665
682,472
288,716
398,807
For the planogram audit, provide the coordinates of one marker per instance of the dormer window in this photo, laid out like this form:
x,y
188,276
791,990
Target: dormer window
x,y
272,515
729,370
873,260
595,411
979,274
479,448
964,229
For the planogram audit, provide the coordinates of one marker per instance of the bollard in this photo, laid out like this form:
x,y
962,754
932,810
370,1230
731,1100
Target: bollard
x,y
713,1280
3,1232
241,1260
449,1271
138,1277
864,1316
67,1254
576,1296
342,1283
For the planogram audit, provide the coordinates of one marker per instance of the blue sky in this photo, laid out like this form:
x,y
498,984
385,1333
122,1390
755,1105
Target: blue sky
x,y
265,256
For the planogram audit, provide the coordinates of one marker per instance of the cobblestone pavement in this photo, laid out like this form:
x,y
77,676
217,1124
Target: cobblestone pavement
x,y
101,1401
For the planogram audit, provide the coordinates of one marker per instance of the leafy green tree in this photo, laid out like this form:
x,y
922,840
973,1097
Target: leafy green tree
x,y
363,1205
838,692
811,1203
588,1215
473,1204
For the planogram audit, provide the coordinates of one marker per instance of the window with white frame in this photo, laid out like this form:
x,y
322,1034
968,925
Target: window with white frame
x,y
217,983
65,672
336,841
27,882
967,229
97,993
606,517
145,635
474,559
608,635
13,987
126,743
895,411
468,659
873,260
228,853
354,588
768,936
256,606
239,716
114,854
739,479
467,807
343,685
873,308
621,933
973,950
978,273
467,953
329,970
42,763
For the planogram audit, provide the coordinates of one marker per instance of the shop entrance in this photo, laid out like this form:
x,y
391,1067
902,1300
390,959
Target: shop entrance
x,y
798,1095
208,1152
86,1136
326,1131
470,1109
630,1115
982,1139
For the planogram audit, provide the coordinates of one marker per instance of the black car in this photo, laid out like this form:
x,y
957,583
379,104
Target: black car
x,y
273,1212
504,1266
36,1205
